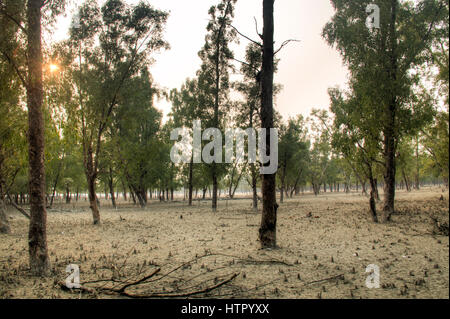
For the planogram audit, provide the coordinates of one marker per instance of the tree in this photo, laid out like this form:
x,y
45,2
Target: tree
x,y
357,138
185,109
29,70
267,230
289,145
248,112
126,36
13,141
320,153
213,76
133,137
381,60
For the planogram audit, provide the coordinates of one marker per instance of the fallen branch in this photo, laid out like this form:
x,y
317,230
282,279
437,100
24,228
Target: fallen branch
x,y
180,295
81,288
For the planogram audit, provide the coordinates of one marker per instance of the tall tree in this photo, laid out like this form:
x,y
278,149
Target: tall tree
x,y
29,70
186,109
248,112
214,73
267,230
126,35
382,59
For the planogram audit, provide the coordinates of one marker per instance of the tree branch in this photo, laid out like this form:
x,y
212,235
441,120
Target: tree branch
x,y
284,44
242,35
10,17
16,68
257,32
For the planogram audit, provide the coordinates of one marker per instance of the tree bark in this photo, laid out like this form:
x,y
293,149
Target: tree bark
x,y
417,177
4,224
254,190
267,230
67,194
111,187
373,194
37,235
91,176
389,130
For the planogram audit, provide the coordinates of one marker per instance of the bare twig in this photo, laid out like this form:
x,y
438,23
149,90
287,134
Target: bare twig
x,y
244,36
284,44
178,295
256,26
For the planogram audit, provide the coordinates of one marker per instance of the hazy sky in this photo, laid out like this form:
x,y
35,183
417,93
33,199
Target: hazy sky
x,y
306,70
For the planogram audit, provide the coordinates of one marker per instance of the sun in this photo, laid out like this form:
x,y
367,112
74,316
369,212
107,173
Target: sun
x,y
53,67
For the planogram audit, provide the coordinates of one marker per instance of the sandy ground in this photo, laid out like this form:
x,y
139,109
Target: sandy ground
x,y
321,255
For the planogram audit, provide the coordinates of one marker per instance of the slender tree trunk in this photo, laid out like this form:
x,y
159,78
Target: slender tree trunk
x,y
133,196
67,194
254,190
405,178
417,181
111,187
91,176
55,183
190,185
389,130
93,200
267,230
4,224
37,235
373,192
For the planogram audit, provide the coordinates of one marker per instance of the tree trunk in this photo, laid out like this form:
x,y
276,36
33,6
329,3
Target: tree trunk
x,y
4,224
363,185
417,177
405,178
67,194
267,230
133,196
93,200
373,193
111,188
389,129
190,185
55,183
254,190
91,176
204,193
37,235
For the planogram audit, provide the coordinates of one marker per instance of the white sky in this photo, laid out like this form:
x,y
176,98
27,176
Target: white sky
x,y
306,70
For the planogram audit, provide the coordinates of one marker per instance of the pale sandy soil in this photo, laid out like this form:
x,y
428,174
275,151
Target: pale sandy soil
x,y
339,238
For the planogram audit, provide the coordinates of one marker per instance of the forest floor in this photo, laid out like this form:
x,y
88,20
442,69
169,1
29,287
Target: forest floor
x,y
325,244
